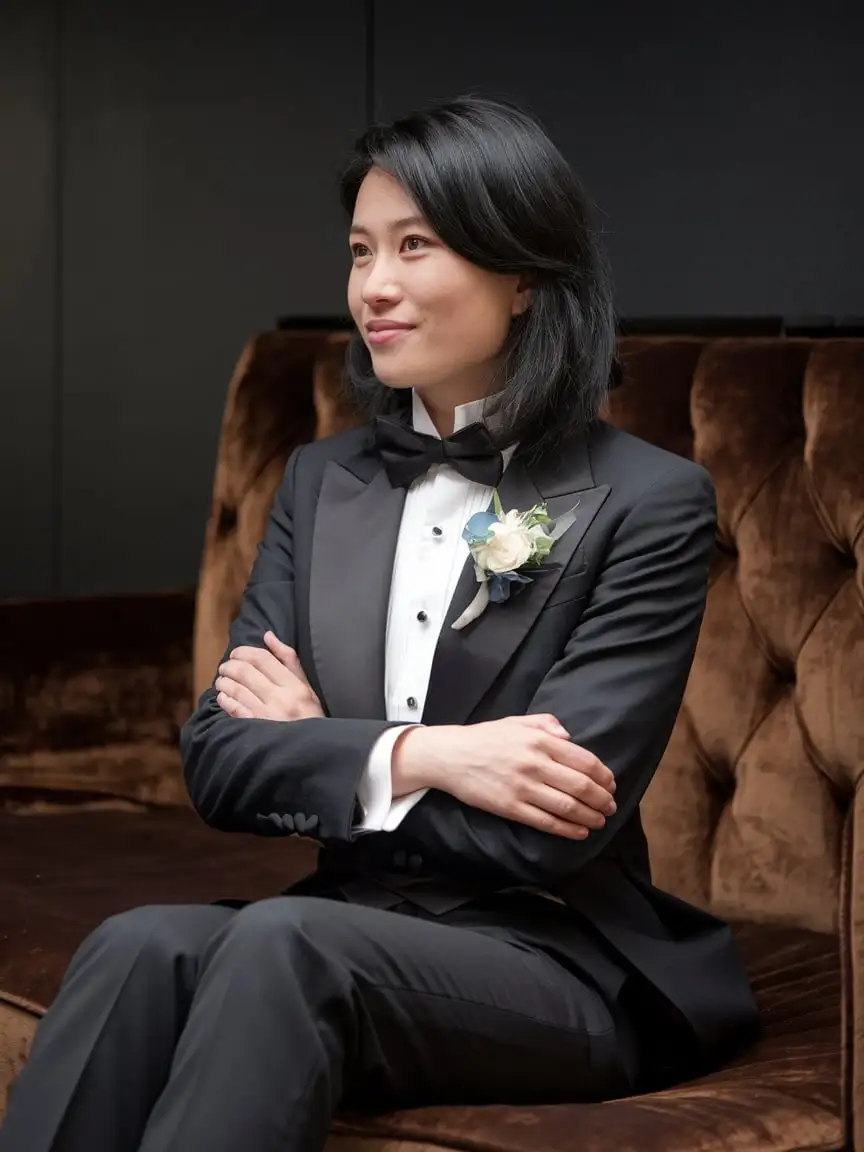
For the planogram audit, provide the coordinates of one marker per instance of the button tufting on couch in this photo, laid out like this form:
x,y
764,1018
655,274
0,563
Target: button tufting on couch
x,y
754,812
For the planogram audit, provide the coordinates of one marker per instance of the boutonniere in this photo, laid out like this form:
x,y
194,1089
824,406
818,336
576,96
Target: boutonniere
x,y
506,547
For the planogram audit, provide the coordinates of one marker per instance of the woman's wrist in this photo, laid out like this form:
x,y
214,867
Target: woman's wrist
x,y
416,762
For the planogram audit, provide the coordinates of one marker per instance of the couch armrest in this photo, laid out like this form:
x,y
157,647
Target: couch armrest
x,y
93,692
852,972
18,1021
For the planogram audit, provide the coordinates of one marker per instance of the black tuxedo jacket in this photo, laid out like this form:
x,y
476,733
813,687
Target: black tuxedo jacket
x,y
604,642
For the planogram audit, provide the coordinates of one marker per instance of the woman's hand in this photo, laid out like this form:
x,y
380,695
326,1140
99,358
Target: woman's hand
x,y
266,684
524,768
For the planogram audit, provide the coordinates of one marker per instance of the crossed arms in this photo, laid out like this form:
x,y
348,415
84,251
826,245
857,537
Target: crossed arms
x,y
615,690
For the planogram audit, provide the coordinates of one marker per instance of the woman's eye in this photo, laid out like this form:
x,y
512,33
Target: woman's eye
x,y
358,251
415,243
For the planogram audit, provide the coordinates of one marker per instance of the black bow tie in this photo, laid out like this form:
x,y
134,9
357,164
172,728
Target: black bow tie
x,y
407,454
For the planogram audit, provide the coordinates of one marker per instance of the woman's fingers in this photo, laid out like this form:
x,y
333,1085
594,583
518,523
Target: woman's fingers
x,y
248,675
242,696
575,786
564,806
546,723
545,821
572,756
233,708
286,656
575,758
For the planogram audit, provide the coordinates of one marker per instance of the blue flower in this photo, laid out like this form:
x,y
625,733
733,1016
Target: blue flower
x,y
477,530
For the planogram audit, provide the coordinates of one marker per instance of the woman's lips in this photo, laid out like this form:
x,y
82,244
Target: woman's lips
x,y
386,335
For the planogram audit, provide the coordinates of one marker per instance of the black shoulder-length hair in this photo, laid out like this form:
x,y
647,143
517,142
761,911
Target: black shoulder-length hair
x,y
497,191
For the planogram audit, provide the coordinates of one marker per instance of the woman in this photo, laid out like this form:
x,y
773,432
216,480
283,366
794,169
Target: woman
x,y
456,665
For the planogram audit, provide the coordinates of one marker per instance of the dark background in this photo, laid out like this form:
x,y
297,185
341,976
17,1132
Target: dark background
x,y
168,189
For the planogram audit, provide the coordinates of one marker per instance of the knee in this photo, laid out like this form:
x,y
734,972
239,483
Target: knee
x,y
282,921
154,932
131,928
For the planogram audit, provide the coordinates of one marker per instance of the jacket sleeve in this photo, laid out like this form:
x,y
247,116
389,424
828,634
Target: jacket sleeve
x,y
268,776
617,688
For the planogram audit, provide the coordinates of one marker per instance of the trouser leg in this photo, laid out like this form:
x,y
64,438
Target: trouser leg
x,y
102,1054
303,1003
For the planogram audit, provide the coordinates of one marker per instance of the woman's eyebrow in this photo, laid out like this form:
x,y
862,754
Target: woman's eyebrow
x,y
394,225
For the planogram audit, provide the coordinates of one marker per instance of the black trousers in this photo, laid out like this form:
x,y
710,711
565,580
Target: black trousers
x,y
179,1028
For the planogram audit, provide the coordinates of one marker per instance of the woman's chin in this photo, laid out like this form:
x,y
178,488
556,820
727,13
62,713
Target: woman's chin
x,y
390,375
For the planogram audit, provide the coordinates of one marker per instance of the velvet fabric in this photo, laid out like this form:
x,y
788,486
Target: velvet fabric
x,y
286,390
754,813
747,813
61,875
93,693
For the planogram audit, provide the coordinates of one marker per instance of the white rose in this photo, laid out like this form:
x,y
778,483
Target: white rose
x,y
510,545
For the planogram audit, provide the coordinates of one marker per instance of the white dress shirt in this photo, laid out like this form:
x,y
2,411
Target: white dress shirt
x,y
430,555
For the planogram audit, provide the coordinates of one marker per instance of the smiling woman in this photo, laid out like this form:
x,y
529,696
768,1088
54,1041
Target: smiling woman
x,y
431,319
469,229
481,926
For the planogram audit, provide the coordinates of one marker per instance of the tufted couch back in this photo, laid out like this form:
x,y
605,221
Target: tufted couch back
x,y
752,813
748,811
747,814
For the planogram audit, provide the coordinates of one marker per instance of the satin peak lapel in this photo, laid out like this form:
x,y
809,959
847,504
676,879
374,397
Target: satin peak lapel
x,y
467,661
353,547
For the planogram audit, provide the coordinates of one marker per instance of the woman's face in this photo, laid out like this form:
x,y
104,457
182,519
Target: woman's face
x,y
430,319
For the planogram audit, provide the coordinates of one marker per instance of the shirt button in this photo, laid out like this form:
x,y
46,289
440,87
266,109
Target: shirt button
x,y
436,531
411,702
422,617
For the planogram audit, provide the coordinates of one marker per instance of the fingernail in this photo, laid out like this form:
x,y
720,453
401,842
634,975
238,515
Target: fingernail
x,y
613,786
612,808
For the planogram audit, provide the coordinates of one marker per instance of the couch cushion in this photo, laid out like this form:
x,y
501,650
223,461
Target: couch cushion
x,y
61,874
782,1095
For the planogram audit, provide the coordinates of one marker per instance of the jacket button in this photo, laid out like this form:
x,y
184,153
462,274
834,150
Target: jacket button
x,y
400,859
415,862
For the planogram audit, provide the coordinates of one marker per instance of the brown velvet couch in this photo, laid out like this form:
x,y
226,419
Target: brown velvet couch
x,y
754,813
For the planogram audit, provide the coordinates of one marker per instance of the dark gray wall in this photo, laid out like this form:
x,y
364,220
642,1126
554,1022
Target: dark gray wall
x,y
721,140
172,189
29,416
202,146
168,189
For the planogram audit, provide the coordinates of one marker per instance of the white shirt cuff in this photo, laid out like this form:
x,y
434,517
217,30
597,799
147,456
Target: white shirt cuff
x,y
381,813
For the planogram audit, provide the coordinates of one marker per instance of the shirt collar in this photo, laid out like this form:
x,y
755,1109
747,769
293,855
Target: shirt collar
x,y
464,414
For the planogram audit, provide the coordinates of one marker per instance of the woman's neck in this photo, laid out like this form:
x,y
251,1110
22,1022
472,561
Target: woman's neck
x,y
443,417
441,402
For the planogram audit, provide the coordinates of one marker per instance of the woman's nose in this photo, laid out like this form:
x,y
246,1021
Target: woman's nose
x,y
381,283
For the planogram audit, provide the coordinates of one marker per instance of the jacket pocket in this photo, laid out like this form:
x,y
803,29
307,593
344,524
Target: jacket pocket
x,y
572,586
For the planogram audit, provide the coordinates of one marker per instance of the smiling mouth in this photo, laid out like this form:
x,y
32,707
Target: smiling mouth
x,y
386,335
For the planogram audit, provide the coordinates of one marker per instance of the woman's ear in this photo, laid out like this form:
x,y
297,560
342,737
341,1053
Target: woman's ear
x,y
522,296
